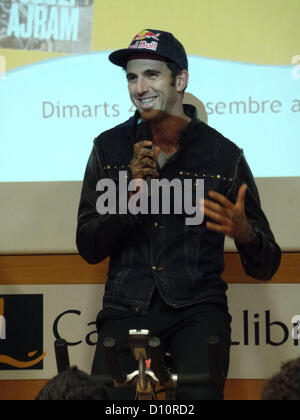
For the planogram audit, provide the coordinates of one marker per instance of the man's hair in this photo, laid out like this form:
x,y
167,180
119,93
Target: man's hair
x,y
73,385
175,70
285,385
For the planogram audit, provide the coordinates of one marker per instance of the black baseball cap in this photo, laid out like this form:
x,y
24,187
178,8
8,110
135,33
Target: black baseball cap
x,y
156,42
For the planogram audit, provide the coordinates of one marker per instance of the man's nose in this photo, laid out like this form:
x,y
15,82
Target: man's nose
x,y
141,86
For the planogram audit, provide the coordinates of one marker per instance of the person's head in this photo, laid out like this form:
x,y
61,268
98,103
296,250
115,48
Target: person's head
x,y
285,385
73,385
157,72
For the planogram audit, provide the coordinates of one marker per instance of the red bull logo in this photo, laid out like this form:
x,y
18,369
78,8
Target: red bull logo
x,y
144,45
146,35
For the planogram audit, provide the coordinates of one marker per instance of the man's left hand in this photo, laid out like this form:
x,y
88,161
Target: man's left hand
x,y
228,218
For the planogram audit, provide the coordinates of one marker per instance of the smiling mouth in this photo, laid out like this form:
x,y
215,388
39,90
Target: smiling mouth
x,y
147,101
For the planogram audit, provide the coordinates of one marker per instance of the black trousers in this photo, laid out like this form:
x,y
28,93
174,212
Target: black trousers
x,y
184,331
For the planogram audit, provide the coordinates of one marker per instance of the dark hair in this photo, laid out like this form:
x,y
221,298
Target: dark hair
x,y
285,385
73,385
175,70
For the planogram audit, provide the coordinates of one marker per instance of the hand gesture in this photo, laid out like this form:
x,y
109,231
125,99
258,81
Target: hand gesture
x,y
228,218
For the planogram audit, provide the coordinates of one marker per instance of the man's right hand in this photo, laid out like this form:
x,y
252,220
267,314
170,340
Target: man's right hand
x,y
144,162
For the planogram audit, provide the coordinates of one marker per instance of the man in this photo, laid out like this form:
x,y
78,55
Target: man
x,y
285,384
165,275
73,385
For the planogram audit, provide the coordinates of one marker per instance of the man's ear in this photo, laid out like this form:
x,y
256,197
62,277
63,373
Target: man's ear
x,y
182,80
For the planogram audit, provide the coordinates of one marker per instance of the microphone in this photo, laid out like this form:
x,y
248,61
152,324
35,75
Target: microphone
x,y
144,133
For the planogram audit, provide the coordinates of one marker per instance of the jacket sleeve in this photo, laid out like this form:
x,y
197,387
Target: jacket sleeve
x,y
97,233
261,257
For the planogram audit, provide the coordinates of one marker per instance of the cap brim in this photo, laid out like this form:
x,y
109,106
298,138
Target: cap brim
x,y
120,57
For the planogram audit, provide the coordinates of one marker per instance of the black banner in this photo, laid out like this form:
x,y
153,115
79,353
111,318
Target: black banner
x,y
21,332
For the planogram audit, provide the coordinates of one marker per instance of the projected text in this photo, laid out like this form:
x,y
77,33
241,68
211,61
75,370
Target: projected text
x,y
58,23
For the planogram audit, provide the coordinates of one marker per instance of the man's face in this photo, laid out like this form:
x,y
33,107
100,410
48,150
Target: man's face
x,y
149,85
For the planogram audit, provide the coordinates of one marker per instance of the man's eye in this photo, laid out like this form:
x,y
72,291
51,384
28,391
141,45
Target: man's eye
x,y
152,75
131,78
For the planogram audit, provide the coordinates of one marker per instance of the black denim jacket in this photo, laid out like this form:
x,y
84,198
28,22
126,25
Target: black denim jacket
x,y
184,262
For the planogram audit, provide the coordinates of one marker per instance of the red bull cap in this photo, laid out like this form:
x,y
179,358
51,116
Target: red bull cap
x,y
157,42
